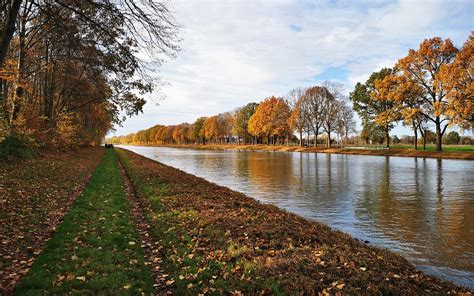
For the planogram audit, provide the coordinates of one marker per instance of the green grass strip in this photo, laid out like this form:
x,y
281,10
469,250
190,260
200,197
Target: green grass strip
x,y
96,250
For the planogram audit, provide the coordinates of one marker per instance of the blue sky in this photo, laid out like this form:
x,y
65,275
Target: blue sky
x,y
239,51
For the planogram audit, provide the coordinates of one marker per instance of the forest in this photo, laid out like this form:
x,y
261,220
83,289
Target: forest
x,y
70,70
431,88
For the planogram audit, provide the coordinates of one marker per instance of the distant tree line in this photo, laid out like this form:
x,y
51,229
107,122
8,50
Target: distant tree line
x,y
69,68
317,112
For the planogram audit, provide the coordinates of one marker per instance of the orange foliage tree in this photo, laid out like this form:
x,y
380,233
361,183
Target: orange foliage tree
x,y
458,79
211,129
270,120
418,88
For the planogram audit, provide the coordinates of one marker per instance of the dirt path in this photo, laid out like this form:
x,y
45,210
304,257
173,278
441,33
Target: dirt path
x,y
149,243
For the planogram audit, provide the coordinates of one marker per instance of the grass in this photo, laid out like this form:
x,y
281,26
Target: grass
x,y
96,250
446,148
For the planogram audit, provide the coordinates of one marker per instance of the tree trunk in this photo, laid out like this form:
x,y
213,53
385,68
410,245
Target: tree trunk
x,y
19,88
439,135
316,133
329,139
301,138
8,29
387,136
416,136
423,135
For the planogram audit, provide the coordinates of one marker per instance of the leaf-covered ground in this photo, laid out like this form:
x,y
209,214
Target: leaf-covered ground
x,y
215,240
35,194
97,249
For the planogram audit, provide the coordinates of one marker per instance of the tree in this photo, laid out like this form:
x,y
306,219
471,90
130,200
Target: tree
x,y
396,140
241,121
9,14
452,138
372,133
211,129
299,116
458,79
419,78
279,119
331,107
198,130
369,104
315,97
224,124
270,119
345,121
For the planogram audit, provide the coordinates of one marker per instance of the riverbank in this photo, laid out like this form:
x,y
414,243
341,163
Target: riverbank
x,y
213,239
404,152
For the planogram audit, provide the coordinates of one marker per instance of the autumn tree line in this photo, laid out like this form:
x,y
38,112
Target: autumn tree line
x,y
69,70
312,112
432,87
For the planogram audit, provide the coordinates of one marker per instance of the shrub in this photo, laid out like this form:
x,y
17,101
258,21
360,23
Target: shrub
x,y
13,146
452,138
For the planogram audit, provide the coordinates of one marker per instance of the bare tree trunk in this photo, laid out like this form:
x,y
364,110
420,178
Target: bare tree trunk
x,y
423,135
20,79
387,136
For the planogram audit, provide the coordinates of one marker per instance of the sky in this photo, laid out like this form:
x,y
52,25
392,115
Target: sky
x,y
242,51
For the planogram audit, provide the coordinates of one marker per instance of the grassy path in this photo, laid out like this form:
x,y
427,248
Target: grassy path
x,y
96,250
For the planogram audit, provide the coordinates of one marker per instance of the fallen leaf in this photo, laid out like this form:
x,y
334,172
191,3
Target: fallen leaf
x,y
169,283
81,278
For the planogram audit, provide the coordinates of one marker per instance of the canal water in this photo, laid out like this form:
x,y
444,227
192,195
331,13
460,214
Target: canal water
x,y
420,208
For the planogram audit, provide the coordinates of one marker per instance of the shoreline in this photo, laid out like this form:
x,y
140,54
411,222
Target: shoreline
x,y
398,152
310,255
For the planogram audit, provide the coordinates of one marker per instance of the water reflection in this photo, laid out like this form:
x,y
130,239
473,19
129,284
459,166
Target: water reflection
x,y
421,208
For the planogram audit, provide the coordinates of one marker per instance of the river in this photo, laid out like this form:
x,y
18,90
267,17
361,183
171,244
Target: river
x,y
420,208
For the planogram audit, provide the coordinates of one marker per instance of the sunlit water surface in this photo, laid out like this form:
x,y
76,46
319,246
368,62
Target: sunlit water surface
x,y
420,208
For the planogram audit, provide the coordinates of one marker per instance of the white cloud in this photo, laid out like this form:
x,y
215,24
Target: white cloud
x,y
235,52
